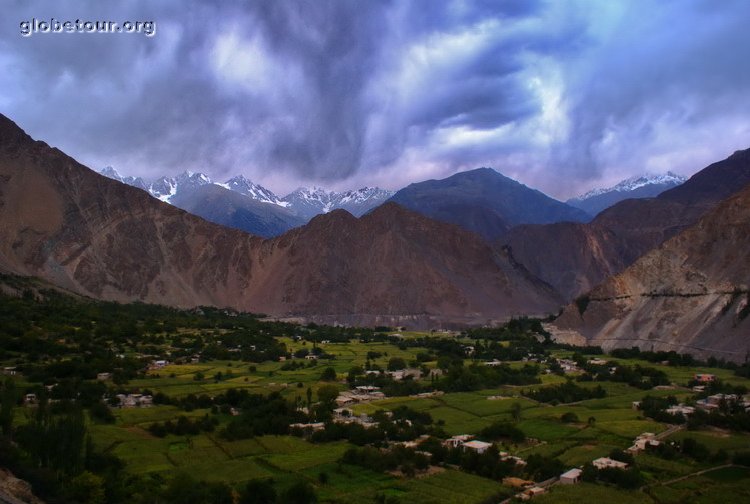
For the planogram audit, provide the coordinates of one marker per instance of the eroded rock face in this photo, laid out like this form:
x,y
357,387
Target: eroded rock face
x,y
14,488
690,294
574,258
95,236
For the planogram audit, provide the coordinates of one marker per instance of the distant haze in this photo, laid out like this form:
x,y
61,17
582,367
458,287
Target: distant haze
x,y
562,96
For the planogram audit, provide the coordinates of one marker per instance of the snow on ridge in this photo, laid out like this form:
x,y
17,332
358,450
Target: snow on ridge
x,y
635,182
304,200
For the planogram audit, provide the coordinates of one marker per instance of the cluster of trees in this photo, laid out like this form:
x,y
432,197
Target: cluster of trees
x,y
630,478
672,358
54,453
636,376
653,407
407,460
516,329
184,426
688,447
503,430
563,393
260,415
460,378
730,415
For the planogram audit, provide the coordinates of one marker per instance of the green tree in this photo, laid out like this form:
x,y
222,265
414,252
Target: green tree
x,y
300,493
86,488
7,404
329,374
396,363
327,394
258,492
515,411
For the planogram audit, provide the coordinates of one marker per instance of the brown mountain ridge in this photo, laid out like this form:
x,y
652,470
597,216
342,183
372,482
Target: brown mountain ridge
x,y
68,225
691,294
577,257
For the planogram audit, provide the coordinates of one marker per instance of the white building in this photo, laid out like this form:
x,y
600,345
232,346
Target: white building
x,y
456,441
477,446
604,462
570,477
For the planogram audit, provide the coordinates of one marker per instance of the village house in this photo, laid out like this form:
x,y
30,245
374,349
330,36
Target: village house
x,y
643,441
30,399
532,492
457,441
505,457
135,400
596,362
347,416
515,482
402,374
313,427
493,363
477,446
680,409
571,477
158,364
103,376
9,371
362,393
605,462
568,365
704,377
713,402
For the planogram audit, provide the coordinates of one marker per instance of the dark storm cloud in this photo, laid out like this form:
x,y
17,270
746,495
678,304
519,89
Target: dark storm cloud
x,y
350,92
668,82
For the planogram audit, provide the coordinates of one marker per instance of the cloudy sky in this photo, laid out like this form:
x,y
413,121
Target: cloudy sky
x,y
561,95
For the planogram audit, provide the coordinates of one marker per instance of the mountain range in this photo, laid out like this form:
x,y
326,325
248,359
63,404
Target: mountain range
x,y
242,204
104,239
481,200
642,186
665,272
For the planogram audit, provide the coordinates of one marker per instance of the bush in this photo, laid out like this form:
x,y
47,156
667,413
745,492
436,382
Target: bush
x,y
329,374
569,417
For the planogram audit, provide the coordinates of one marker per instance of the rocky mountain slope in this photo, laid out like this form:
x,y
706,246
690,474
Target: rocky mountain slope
x,y
575,258
691,294
486,202
644,186
92,235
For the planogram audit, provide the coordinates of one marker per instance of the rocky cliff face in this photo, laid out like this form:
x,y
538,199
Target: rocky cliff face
x,y
691,294
92,235
575,258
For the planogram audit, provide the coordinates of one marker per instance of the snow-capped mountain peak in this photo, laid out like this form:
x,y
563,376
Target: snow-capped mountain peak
x,y
306,202
255,191
310,201
633,183
133,181
639,186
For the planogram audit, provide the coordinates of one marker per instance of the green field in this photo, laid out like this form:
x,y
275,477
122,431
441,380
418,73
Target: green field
x,y
598,427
